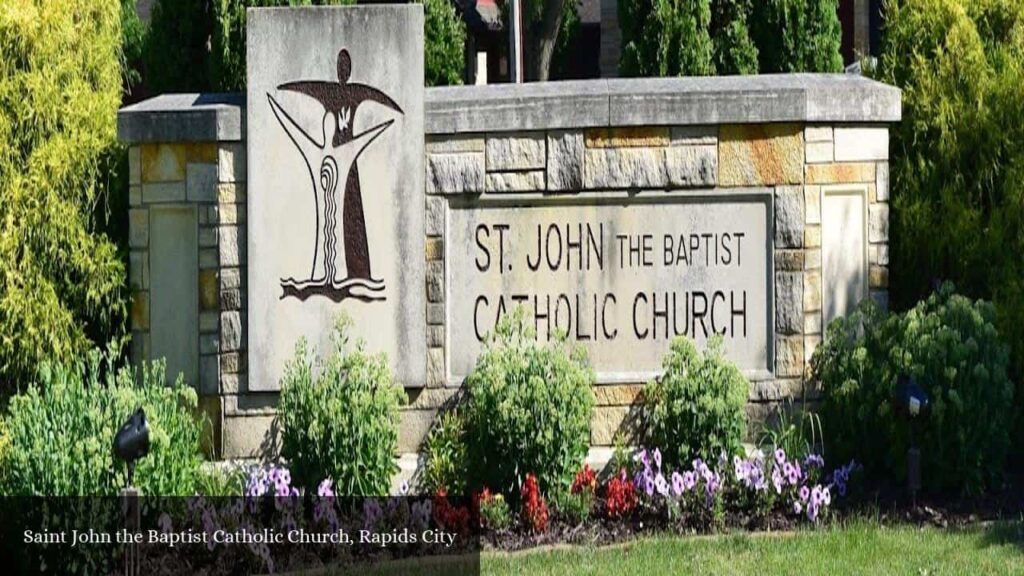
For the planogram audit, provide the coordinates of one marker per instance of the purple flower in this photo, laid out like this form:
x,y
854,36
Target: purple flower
x,y
780,456
797,508
325,489
777,480
677,483
814,461
812,511
643,459
804,493
689,480
403,489
661,485
657,458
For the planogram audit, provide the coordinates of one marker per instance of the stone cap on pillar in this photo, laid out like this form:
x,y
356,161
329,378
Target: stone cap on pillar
x,y
761,99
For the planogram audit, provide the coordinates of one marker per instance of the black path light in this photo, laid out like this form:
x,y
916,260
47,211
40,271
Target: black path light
x,y
132,441
130,444
911,401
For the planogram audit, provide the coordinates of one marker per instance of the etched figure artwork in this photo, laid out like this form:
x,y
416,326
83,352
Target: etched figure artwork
x,y
333,159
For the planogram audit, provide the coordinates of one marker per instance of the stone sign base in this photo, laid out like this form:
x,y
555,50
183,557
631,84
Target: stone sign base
x,y
815,146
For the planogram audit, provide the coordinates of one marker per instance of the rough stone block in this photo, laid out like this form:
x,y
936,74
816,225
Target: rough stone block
x,y
617,394
606,421
878,223
812,291
812,236
839,173
201,152
228,193
453,144
230,278
818,133
812,259
694,135
138,228
250,437
532,181
789,300
692,166
878,276
163,192
135,165
435,216
135,195
812,204
775,390
231,248
231,331
140,310
455,173
435,249
812,323
565,160
435,314
516,151
819,152
882,182
209,375
232,362
435,368
811,344
414,426
138,269
789,260
208,290
624,168
435,281
163,162
435,336
627,137
231,299
789,356
231,162
879,254
760,154
789,217
201,182
861,143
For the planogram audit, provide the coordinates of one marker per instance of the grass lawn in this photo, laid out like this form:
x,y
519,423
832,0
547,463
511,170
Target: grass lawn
x,y
859,547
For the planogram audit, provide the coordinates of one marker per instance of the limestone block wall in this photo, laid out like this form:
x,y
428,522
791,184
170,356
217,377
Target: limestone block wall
x,y
817,143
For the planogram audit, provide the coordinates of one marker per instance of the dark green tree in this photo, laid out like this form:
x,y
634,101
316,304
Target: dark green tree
x,y
797,35
665,38
733,50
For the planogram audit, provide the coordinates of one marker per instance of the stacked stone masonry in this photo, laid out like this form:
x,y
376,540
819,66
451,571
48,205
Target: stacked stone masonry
x,y
801,157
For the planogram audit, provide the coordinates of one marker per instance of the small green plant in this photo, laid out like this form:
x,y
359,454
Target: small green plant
x,y
446,461
494,511
799,436
528,409
214,480
340,418
573,508
59,432
950,345
697,408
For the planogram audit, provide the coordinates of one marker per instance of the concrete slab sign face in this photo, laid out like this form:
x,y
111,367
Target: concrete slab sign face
x,y
620,278
334,125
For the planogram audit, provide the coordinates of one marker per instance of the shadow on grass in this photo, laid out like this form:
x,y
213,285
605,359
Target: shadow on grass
x,y
1004,533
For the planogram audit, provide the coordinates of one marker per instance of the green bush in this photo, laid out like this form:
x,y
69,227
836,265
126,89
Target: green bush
x,y
797,35
951,346
957,160
528,409
59,432
340,420
61,283
665,38
446,460
733,51
445,38
696,409
175,57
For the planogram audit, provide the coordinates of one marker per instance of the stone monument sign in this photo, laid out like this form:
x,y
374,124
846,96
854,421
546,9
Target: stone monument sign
x,y
335,163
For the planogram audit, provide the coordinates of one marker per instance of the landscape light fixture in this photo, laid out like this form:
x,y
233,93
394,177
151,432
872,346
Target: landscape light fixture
x,y
132,441
911,401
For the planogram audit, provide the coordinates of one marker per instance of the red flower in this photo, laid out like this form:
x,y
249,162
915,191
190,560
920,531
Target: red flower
x,y
535,509
620,497
586,479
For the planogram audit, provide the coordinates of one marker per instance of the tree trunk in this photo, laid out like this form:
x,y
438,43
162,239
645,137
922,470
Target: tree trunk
x,y
546,39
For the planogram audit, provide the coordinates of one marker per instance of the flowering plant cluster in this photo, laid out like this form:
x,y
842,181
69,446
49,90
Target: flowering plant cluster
x,y
494,510
585,481
449,516
620,496
535,509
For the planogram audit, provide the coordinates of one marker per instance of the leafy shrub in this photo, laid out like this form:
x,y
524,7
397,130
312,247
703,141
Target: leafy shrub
x,y
665,38
796,431
340,419
176,53
696,409
221,481
957,160
445,37
528,409
797,35
494,511
77,409
733,51
60,88
572,507
445,451
951,346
